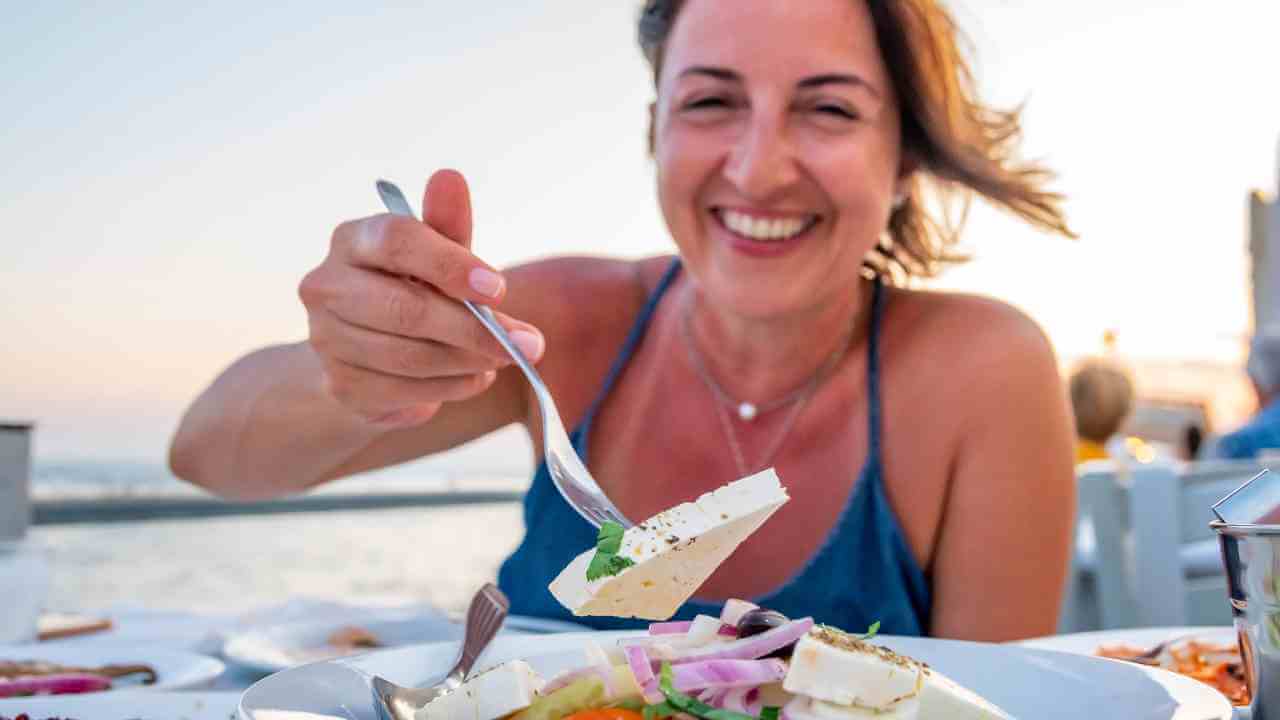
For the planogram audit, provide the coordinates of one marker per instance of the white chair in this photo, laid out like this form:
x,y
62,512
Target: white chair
x,y
1145,555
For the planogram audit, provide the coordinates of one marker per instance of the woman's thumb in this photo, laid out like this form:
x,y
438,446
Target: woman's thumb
x,y
446,206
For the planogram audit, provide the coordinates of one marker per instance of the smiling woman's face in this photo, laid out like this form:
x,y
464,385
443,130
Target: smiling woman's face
x,y
776,136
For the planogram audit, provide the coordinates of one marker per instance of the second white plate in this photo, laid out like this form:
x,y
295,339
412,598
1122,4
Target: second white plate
x,y
1087,643
175,669
275,648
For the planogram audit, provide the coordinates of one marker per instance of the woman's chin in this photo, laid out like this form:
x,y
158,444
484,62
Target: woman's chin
x,y
760,296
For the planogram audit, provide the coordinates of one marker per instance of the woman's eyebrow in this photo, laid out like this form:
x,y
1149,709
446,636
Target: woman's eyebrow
x,y
815,81
718,73
837,79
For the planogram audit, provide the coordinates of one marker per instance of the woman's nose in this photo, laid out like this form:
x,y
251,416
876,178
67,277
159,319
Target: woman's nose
x,y
762,161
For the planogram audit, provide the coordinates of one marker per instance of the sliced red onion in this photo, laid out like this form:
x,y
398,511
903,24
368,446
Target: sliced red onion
x,y
734,609
744,700
657,647
711,696
697,631
60,684
642,668
748,648
670,628
688,677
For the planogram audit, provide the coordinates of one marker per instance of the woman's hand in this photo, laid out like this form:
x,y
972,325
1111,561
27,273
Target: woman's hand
x,y
386,322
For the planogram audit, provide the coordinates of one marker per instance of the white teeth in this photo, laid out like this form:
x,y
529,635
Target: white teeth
x,y
762,229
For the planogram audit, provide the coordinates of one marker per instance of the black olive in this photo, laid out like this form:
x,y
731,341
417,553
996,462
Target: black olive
x,y
754,622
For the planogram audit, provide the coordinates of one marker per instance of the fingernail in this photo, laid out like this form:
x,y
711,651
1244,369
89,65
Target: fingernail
x,y
486,282
529,343
490,376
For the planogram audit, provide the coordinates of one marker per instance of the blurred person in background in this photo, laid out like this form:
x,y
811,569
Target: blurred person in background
x,y
801,153
1101,399
1191,442
1261,433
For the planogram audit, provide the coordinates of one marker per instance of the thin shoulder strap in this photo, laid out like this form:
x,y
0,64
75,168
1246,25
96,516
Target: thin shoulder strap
x,y
638,329
873,370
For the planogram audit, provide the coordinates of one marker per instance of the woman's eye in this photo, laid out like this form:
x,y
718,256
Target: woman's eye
x,y
706,103
836,111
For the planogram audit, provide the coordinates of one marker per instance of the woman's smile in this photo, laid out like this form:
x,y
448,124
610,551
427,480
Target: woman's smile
x,y
761,233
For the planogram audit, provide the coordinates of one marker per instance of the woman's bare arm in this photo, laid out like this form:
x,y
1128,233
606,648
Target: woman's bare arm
x,y
1002,554
267,426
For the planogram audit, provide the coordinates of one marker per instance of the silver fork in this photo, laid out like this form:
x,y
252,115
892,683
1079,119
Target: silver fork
x,y
485,615
568,473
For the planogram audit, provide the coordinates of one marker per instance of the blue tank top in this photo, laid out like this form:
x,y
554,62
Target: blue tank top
x,y
864,572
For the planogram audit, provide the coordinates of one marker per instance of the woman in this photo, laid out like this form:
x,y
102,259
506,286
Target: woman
x,y
924,437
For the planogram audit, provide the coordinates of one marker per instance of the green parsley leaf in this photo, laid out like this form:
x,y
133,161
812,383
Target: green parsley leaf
x,y
599,566
769,712
606,562
871,631
609,539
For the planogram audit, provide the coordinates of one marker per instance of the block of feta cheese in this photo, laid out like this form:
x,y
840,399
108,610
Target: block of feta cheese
x,y
674,552
834,667
945,698
831,670
492,694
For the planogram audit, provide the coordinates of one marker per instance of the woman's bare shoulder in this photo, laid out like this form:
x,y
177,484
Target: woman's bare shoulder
x,y
974,351
966,326
584,307
575,294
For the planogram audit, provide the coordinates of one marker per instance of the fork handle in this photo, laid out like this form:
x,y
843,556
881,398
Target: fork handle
x,y
396,204
490,322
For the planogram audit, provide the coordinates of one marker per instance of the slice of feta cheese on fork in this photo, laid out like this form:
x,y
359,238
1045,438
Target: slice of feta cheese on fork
x,y
673,552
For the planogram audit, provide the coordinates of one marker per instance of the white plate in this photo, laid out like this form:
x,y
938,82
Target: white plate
x,y
274,648
1028,683
1087,643
120,705
175,669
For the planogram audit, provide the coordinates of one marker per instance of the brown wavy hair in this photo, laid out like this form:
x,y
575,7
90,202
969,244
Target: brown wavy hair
x,y
957,145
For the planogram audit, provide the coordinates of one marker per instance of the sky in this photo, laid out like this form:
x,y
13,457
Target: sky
x,y
169,173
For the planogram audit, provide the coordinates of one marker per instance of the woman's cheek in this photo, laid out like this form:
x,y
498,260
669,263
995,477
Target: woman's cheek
x,y
681,170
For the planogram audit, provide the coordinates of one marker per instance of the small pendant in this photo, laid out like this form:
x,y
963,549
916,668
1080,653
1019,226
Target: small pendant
x,y
747,412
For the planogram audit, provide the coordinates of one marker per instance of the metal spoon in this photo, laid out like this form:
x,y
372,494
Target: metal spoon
x,y
484,617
